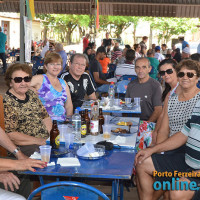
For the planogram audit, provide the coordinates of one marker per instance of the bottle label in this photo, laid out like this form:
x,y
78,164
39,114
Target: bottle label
x,y
83,129
57,141
94,125
76,124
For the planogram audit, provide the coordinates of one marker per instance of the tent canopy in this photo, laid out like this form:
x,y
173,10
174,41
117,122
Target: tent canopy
x,y
154,8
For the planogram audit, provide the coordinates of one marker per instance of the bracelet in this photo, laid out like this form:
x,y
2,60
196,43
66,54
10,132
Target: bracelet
x,y
16,151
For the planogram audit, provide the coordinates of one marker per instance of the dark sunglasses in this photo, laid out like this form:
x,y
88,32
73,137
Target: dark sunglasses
x,y
189,74
168,71
19,79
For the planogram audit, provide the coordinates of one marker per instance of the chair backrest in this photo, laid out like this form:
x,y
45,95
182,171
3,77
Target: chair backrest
x,y
68,190
121,87
38,62
128,77
3,151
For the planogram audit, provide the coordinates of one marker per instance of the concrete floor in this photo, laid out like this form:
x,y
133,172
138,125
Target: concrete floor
x,y
104,187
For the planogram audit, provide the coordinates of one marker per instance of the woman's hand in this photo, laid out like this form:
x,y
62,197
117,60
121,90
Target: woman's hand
x,y
9,179
29,163
142,155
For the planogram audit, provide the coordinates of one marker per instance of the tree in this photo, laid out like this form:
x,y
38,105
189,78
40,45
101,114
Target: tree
x,y
168,27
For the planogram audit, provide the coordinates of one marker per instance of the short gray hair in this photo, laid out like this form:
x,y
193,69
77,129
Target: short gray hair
x,y
59,47
143,58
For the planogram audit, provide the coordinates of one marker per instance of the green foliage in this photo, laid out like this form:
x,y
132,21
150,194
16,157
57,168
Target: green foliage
x,y
169,27
64,25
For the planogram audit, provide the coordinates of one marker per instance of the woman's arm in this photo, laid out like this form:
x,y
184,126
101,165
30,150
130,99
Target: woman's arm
x,y
36,82
159,121
23,139
9,145
163,132
68,103
48,123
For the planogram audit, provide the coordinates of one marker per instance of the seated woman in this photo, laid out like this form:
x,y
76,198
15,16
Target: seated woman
x,y
27,122
176,114
53,91
169,75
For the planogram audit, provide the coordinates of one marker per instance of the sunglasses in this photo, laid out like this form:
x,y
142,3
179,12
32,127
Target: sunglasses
x,y
19,79
188,74
168,71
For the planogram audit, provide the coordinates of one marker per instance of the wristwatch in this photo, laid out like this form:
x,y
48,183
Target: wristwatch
x,y
16,151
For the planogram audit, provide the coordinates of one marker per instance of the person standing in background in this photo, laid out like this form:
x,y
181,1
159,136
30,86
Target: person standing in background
x,y
59,49
3,39
86,41
143,46
184,43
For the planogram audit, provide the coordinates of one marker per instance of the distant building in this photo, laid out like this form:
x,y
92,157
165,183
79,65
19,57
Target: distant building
x,y
10,23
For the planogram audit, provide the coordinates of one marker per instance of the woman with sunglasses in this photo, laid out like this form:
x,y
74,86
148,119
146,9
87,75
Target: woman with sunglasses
x,y
27,122
180,106
53,91
168,73
176,114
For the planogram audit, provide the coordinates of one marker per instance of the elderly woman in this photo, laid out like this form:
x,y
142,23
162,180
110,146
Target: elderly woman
x,y
27,122
170,136
53,91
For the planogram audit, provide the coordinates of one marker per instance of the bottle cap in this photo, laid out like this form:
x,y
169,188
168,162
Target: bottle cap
x,y
76,111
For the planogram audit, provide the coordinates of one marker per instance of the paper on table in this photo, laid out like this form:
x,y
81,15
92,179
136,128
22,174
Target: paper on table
x,y
36,155
119,140
68,162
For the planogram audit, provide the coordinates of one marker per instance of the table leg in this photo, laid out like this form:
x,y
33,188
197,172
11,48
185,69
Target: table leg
x,y
121,190
41,180
115,189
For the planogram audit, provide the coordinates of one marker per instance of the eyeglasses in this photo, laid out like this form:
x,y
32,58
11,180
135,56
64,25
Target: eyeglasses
x,y
188,74
80,65
55,64
19,79
168,71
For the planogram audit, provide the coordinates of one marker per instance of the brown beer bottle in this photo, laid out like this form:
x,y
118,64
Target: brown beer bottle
x,y
101,121
87,120
54,136
83,124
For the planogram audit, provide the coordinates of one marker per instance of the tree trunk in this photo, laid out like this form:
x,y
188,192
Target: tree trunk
x,y
45,32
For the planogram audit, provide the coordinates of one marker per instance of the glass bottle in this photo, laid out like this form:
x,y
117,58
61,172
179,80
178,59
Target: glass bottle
x,y
54,136
94,123
87,119
76,124
83,125
101,121
111,93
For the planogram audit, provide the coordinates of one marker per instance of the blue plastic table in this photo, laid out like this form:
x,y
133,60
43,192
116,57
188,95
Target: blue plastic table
x,y
116,167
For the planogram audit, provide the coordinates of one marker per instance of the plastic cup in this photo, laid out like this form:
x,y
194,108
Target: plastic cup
x,y
117,102
86,149
45,152
69,139
106,131
63,129
107,119
127,101
137,101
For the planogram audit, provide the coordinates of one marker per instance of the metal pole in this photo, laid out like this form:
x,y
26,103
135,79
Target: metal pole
x,y
22,47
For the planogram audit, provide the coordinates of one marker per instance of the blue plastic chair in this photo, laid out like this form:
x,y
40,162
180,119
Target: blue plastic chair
x,y
38,62
68,190
12,56
128,77
121,87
